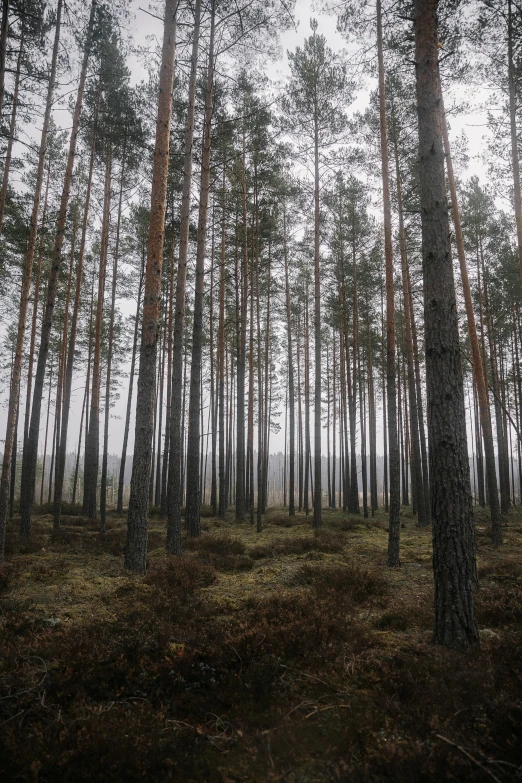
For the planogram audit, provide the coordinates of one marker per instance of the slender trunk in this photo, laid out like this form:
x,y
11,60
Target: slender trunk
x,y
136,543
92,450
12,129
307,409
103,486
121,478
394,520
453,535
78,450
4,31
241,355
318,495
46,432
175,484
157,486
221,362
60,389
514,135
417,472
291,393
193,434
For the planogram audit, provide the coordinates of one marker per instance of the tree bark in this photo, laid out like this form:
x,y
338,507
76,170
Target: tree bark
x,y
393,445
193,435
136,543
4,31
103,486
453,535
12,129
174,491
515,161
318,494
92,450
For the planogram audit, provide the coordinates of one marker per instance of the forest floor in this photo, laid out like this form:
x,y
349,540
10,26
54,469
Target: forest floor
x,y
280,656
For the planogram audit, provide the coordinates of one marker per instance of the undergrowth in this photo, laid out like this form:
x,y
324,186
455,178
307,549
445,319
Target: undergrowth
x,y
285,656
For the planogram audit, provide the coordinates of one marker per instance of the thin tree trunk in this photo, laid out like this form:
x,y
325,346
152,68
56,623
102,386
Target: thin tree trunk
x,y
515,162
4,31
103,485
221,360
136,543
394,519
175,483
318,495
121,478
12,129
193,434
60,389
417,472
92,450
46,432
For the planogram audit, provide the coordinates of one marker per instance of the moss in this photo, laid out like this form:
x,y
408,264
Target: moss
x,y
284,655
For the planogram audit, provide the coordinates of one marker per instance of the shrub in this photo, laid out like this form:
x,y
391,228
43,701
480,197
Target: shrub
x,y
181,575
351,582
216,544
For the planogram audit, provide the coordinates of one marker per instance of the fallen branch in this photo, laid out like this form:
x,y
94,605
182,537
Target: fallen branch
x,y
470,757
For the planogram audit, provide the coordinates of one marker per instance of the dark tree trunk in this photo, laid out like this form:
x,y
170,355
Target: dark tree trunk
x,y
393,445
92,449
175,483
193,435
453,535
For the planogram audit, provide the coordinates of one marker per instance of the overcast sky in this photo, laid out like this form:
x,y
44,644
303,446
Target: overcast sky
x,y
142,27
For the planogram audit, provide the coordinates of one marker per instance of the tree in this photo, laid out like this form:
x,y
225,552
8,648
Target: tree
x,y
136,543
453,535
316,95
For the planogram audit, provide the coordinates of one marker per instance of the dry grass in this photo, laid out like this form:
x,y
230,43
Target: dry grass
x,y
282,656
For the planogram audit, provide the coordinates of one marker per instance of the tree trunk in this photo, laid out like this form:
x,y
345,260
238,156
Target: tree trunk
x,y
453,535
241,356
174,489
318,495
514,135
4,31
12,129
193,435
92,450
417,473
136,543
121,478
394,519
103,486
221,362
291,393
